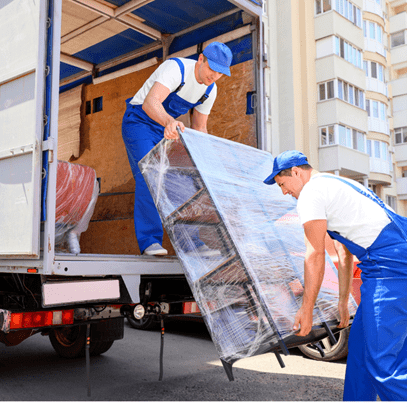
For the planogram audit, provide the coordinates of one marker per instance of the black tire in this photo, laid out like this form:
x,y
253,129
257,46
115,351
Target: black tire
x,y
148,323
100,347
335,352
70,342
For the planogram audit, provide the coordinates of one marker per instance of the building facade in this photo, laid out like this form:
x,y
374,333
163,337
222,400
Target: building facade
x,y
337,88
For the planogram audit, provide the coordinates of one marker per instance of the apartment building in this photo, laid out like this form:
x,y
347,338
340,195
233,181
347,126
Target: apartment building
x,y
338,88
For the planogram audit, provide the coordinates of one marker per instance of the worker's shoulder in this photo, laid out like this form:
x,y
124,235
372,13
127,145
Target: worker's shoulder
x,y
184,61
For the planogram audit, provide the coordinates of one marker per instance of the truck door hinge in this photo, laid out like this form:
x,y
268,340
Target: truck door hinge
x,y
49,145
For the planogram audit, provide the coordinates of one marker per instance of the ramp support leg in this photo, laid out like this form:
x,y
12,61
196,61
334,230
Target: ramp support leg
x,y
279,358
228,369
330,334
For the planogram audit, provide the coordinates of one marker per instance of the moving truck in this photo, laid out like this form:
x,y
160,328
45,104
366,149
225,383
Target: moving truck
x,y
67,68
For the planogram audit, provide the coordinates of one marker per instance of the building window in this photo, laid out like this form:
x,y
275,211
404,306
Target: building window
x,y
392,202
348,52
372,30
373,68
340,89
322,6
376,71
326,90
400,135
342,135
381,73
377,110
398,39
375,106
378,150
327,135
350,94
351,98
347,10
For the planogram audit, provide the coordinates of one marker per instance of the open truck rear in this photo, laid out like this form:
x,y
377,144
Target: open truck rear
x,y
67,68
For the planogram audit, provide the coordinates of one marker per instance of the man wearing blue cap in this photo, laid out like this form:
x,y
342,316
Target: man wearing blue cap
x,y
364,226
177,86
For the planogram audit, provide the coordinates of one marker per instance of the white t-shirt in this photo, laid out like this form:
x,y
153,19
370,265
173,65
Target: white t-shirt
x,y
169,75
354,216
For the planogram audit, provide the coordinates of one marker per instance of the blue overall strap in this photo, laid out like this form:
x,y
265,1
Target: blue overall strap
x,y
206,95
391,215
181,67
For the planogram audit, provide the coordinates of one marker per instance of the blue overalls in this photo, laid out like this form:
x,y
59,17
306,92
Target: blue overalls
x,y
140,135
377,359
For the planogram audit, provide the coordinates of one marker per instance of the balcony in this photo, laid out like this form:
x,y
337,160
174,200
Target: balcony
x,y
401,184
350,163
399,87
332,23
400,155
374,85
379,166
378,126
338,111
334,66
398,22
374,46
400,118
372,7
399,57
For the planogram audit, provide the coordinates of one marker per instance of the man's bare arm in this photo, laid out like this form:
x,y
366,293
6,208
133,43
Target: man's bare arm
x,y
199,121
314,269
153,106
345,276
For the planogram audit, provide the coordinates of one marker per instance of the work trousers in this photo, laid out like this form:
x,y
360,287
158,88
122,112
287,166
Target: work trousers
x,y
377,359
140,137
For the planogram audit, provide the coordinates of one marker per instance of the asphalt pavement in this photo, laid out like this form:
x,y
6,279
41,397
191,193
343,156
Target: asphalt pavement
x,y
130,370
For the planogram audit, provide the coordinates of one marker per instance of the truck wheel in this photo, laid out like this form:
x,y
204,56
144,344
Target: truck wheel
x,y
70,342
146,324
335,352
100,347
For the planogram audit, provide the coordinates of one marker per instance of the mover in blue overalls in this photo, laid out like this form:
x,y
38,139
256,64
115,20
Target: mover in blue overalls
x,y
377,358
176,87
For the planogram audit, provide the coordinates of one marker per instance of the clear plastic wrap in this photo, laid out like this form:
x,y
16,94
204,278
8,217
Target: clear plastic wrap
x,y
249,286
77,193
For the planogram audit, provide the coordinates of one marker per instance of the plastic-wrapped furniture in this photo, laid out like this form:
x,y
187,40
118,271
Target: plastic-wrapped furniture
x,y
210,191
77,193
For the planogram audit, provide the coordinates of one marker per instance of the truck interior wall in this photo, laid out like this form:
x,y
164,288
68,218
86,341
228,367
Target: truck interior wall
x,y
111,230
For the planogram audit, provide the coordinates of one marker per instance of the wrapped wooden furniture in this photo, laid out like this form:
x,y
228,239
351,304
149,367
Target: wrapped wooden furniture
x,y
240,244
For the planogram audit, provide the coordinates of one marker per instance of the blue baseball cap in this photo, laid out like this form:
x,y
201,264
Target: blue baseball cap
x,y
219,57
284,161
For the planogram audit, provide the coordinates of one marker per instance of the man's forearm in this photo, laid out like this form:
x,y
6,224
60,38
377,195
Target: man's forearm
x,y
155,110
314,269
345,271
